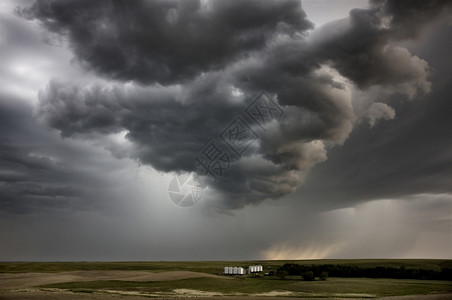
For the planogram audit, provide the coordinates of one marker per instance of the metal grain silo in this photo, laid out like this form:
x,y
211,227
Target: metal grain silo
x,y
240,271
234,270
230,270
226,270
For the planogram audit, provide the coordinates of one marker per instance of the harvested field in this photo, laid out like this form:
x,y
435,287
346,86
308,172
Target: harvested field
x,y
28,280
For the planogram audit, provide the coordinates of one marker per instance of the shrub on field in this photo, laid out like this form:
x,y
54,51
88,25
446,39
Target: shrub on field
x,y
308,276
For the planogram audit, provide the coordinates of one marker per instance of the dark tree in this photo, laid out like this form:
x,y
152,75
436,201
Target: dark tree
x,y
308,276
323,276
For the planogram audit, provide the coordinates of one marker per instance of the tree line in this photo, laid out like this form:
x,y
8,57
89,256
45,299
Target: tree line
x,y
370,272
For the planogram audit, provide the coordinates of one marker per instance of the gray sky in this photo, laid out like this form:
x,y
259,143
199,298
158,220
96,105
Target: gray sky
x,y
103,103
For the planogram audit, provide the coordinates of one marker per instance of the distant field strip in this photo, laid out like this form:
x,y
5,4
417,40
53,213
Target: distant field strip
x,y
212,267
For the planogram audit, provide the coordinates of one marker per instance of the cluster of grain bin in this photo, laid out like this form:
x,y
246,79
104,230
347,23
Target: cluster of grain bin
x,y
242,271
234,271
255,269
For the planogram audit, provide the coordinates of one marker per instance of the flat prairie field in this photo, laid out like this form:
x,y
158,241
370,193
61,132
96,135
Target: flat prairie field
x,y
139,280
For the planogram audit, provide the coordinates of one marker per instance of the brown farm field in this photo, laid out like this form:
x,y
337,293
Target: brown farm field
x,y
136,280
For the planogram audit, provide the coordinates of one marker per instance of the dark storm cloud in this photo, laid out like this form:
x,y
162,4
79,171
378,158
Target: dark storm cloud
x,y
408,19
167,131
363,47
166,41
205,52
38,172
20,168
408,155
64,197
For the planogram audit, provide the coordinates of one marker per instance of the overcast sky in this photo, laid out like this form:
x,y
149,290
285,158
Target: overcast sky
x,y
308,129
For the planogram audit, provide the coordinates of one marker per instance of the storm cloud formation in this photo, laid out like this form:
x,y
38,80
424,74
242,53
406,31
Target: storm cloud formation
x,y
409,155
101,106
183,70
167,41
39,172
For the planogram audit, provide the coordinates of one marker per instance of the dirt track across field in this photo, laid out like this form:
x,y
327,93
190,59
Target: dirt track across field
x,y
29,280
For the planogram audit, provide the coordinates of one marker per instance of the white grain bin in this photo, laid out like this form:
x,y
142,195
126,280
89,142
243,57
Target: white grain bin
x,y
226,269
234,270
240,271
230,270
253,269
260,268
